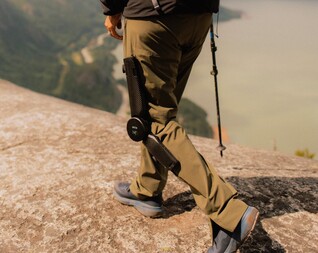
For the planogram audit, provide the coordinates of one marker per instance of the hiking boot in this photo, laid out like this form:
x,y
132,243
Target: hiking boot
x,y
148,206
226,242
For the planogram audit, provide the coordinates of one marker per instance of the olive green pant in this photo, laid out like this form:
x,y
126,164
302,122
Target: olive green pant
x,y
167,47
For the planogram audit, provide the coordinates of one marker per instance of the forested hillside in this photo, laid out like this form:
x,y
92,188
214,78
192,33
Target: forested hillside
x,y
40,49
26,52
64,21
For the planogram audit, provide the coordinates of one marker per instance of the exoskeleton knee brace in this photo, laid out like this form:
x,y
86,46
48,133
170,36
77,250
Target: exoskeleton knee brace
x,y
139,125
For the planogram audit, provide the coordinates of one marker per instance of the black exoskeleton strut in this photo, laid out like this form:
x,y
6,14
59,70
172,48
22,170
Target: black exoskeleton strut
x,y
139,125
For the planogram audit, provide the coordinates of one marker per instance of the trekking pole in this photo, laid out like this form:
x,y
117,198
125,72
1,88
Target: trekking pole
x,y
214,72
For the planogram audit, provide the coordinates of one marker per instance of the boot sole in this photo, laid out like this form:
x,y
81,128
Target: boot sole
x,y
143,208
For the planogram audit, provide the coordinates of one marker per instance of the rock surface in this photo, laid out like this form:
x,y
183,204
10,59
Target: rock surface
x,y
58,164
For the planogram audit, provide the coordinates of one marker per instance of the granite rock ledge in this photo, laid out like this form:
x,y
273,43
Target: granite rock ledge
x,y
58,164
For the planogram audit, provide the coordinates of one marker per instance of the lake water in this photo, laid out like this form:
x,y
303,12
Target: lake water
x,y
268,69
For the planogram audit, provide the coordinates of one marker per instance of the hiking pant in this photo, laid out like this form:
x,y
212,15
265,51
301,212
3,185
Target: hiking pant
x,y
167,47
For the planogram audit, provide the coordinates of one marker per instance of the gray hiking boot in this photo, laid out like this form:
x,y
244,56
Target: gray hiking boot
x,y
226,242
151,207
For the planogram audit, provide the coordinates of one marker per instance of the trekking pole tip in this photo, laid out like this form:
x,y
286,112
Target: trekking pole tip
x,y
221,148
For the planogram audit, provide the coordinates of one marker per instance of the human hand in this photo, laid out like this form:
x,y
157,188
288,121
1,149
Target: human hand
x,y
111,22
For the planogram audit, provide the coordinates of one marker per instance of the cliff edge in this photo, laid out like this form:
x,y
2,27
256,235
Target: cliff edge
x,y
58,163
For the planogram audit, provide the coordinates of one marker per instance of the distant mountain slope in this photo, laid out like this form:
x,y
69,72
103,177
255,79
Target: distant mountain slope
x,y
24,49
64,21
40,43
18,33
226,14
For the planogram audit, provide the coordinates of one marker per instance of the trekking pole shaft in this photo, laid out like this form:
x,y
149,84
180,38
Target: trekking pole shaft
x,y
214,72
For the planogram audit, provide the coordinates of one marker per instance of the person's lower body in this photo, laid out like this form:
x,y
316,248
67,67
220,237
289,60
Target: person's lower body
x,y
167,47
